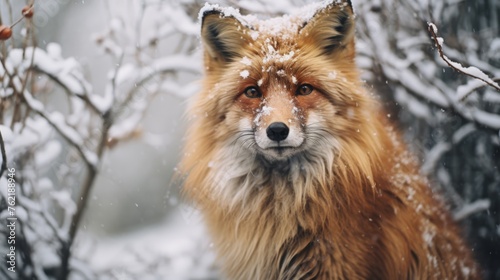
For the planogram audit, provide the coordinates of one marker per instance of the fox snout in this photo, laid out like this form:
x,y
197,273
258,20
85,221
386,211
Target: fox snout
x,y
277,131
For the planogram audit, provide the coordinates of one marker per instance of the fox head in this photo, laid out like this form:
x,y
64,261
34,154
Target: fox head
x,y
282,87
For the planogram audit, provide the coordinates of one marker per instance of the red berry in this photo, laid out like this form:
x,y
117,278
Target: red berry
x,y
28,11
5,32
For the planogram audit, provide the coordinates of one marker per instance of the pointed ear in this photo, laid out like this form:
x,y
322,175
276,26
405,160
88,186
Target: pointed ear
x,y
223,37
331,29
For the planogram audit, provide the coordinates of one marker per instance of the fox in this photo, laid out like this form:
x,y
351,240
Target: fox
x,y
294,165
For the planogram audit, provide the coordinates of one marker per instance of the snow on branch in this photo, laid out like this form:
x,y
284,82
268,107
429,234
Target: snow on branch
x,y
56,120
471,208
471,71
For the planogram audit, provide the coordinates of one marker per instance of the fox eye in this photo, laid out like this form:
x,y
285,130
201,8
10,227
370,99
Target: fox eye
x,y
304,89
252,92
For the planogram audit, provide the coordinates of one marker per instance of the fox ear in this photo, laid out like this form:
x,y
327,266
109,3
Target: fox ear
x,y
223,36
331,29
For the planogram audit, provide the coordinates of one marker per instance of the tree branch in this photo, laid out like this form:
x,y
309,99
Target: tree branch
x,y
473,72
4,155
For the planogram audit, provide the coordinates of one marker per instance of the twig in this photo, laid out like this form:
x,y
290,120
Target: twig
x,y
9,8
65,252
458,67
4,155
83,97
89,159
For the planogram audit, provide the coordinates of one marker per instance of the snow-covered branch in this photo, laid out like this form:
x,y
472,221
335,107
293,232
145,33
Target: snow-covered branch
x,y
471,71
93,120
471,208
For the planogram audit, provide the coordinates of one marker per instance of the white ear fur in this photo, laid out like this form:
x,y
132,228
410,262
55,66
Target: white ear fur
x,y
222,36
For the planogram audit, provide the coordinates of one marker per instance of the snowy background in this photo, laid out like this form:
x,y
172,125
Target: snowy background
x,y
92,121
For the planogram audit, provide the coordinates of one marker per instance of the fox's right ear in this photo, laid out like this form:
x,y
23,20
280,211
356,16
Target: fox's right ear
x,y
223,36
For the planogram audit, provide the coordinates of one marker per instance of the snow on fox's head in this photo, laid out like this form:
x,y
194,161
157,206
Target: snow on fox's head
x,y
281,86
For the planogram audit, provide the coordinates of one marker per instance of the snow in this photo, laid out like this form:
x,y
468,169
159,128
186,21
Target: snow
x,y
65,71
464,90
491,96
32,102
54,51
440,40
488,119
415,84
264,111
429,234
3,191
91,158
433,26
7,134
125,127
332,75
36,132
285,26
48,153
177,247
471,70
123,74
245,60
63,198
273,56
58,120
434,155
414,105
45,255
103,103
244,74
254,34
471,208
462,132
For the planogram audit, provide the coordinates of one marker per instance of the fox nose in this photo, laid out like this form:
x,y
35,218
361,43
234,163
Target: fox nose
x,y
277,131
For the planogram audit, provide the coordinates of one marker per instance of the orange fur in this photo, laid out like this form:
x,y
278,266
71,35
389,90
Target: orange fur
x,y
345,200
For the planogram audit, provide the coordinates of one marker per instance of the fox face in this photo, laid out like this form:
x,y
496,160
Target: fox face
x,y
278,93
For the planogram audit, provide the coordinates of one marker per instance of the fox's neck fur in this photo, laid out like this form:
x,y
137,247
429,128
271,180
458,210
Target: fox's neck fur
x,y
350,206
268,215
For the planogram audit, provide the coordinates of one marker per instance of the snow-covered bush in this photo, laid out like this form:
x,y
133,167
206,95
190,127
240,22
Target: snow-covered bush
x,y
55,125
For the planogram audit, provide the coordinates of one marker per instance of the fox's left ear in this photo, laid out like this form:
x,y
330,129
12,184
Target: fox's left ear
x,y
331,29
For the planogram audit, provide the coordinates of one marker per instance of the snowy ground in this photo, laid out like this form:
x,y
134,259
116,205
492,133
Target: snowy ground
x,y
177,248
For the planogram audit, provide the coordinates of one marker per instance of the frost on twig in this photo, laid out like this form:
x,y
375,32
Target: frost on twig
x,y
471,71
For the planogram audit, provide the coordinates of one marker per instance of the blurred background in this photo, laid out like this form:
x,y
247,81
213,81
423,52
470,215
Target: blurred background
x,y
93,122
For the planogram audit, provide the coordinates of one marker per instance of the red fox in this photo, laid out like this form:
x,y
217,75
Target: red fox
x,y
296,168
